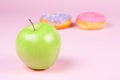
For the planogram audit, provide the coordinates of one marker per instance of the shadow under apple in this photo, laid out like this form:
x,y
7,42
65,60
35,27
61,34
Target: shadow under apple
x,y
61,64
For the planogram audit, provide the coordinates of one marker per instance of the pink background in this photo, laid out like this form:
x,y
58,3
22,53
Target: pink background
x,y
85,55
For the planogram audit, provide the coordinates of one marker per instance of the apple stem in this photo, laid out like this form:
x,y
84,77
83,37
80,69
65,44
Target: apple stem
x,y
32,24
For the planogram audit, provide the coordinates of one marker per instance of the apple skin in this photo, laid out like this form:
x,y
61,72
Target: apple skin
x,y
38,49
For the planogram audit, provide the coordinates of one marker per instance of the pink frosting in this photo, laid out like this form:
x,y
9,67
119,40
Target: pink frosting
x,y
91,17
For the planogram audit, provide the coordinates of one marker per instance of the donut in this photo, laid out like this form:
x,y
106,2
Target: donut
x,y
91,21
59,21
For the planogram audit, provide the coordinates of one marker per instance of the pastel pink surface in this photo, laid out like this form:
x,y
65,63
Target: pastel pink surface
x,y
85,55
91,17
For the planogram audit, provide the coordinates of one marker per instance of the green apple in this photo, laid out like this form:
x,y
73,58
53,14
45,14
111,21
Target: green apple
x,y
38,45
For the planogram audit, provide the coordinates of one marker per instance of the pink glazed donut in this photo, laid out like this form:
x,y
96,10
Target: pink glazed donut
x,y
91,21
